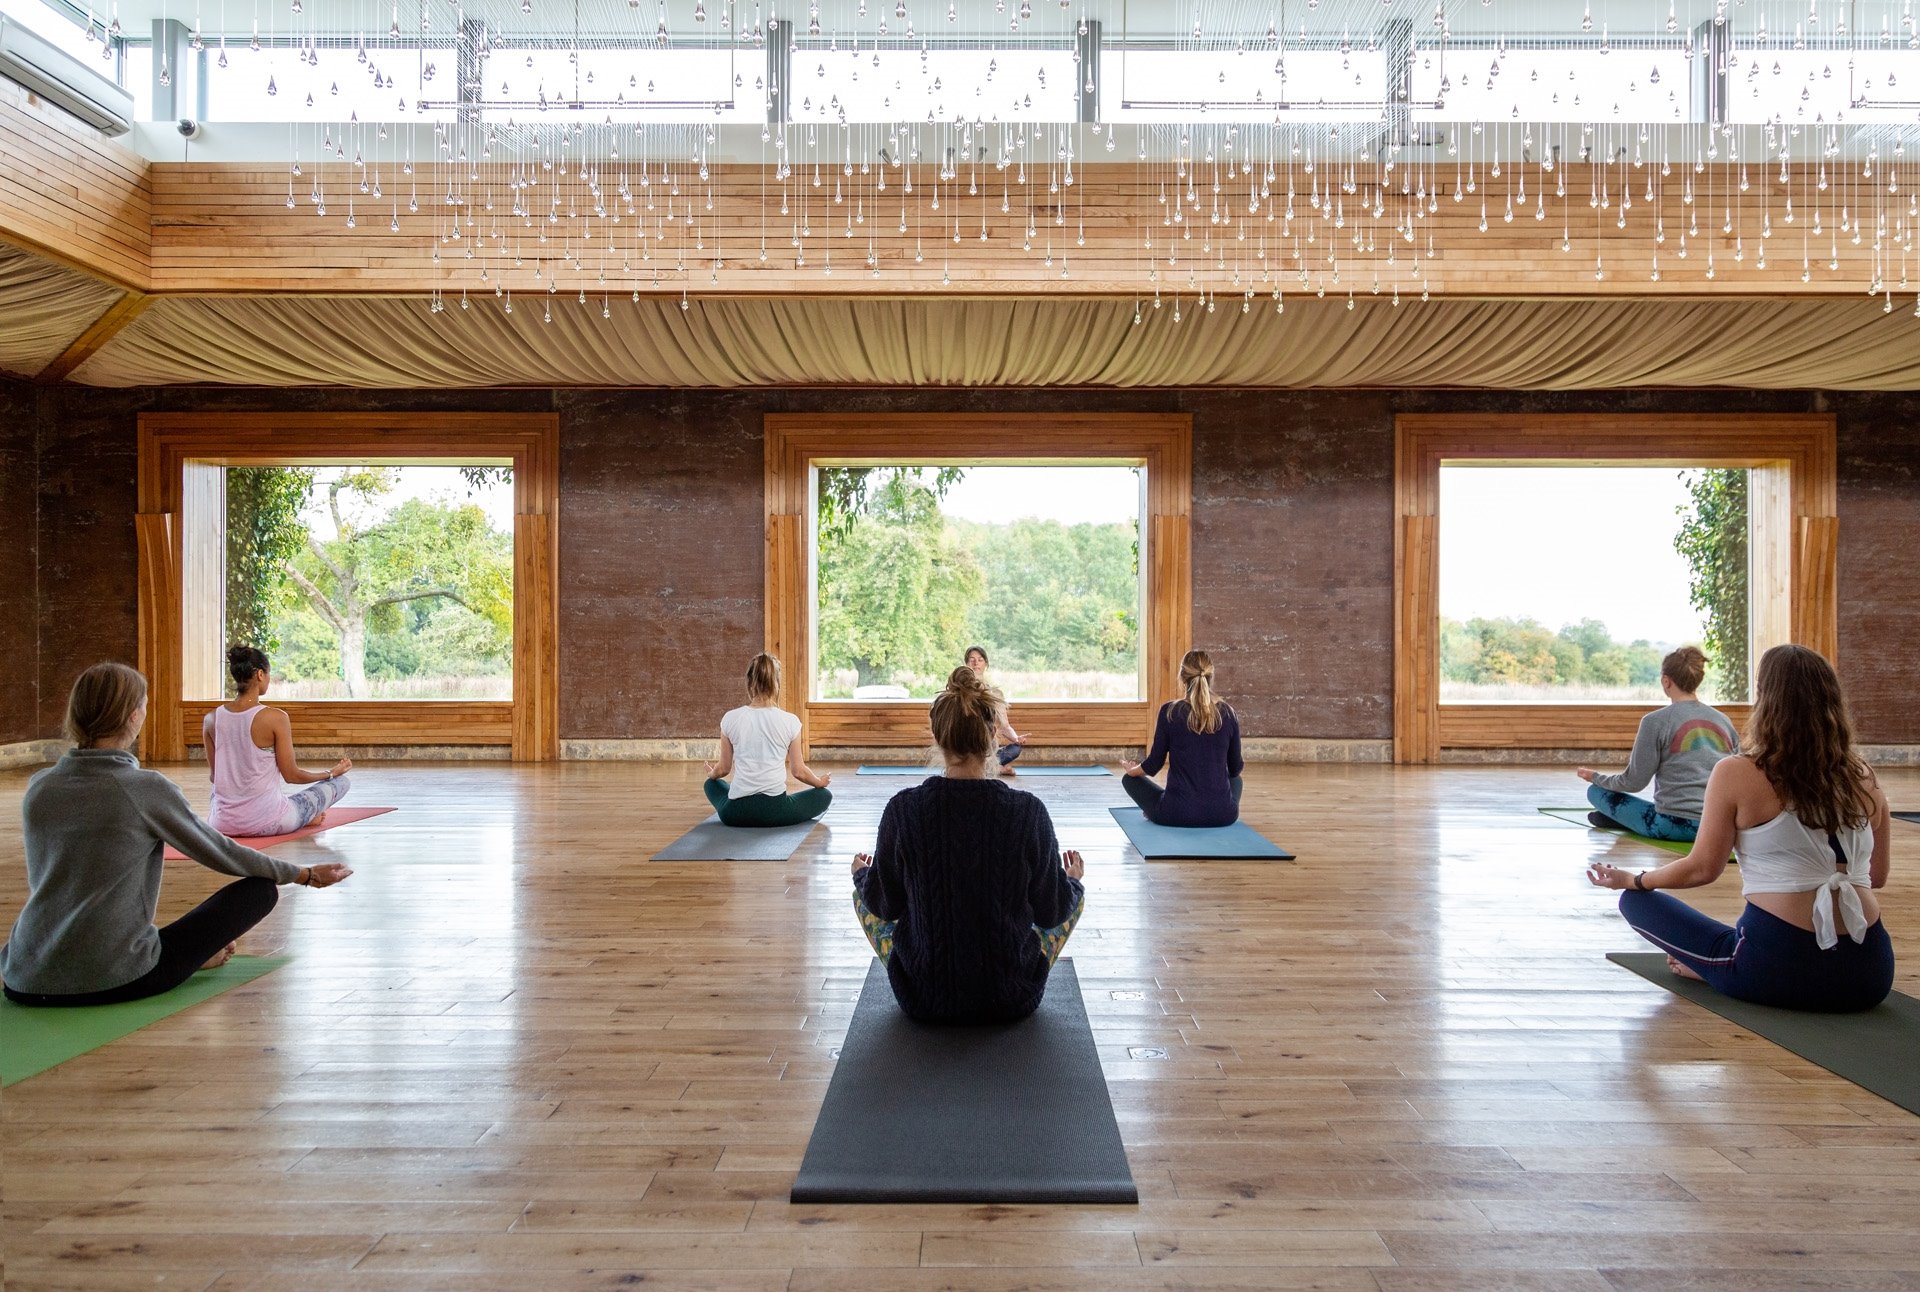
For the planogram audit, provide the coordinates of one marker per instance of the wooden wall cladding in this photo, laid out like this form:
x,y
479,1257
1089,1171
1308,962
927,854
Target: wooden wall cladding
x,y
1161,442
529,442
1795,547
1551,726
855,723
226,228
72,195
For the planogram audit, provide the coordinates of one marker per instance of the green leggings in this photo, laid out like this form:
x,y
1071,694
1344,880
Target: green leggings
x,y
757,810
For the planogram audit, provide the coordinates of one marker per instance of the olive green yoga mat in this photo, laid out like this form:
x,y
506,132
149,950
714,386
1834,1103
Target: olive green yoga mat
x,y
1578,816
1874,1049
34,1038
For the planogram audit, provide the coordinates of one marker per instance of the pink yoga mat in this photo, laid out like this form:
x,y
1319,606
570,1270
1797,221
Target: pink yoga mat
x,y
335,816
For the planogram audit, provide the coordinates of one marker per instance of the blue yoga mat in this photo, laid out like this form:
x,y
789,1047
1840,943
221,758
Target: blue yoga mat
x,y
1911,818
902,769
1236,842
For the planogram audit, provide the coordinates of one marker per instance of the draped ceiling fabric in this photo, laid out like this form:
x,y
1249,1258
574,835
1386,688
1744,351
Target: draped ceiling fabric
x,y
366,341
44,308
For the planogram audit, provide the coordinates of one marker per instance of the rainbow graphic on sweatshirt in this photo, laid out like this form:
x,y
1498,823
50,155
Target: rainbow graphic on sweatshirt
x,y
1700,733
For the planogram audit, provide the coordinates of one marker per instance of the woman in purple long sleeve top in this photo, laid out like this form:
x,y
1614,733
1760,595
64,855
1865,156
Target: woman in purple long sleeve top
x,y
1200,737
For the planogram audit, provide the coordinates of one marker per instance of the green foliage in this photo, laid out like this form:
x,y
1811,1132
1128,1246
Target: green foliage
x,y
903,590
1060,597
894,589
848,493
421,589
1713,538
1524,652
264,532
308,649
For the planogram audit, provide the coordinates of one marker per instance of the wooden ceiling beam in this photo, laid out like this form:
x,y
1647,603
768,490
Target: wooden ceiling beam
x,y
90,342
72,195
227,229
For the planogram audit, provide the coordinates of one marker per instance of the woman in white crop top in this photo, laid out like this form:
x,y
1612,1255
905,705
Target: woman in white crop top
x,y
250,761
759,749
1809,823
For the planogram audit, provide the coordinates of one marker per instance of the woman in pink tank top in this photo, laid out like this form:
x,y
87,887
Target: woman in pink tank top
x,y
250,761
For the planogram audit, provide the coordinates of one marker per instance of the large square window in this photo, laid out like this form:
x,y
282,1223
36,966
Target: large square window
x,y
1568,585
361,582
1040,565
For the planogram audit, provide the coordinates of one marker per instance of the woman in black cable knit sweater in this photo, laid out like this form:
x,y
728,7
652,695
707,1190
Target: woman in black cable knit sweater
x,y
967,898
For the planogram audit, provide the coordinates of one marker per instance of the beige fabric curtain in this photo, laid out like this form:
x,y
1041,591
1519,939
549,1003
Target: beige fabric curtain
x,y
361,341
43,309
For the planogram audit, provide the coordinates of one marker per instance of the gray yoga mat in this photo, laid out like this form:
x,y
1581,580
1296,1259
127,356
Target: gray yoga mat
x,y
1020,769
1014,1112
711,841
1875,1049
1236,842
1911,818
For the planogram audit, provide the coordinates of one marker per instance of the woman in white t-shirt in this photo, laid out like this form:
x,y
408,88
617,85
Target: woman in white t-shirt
x,y
759,749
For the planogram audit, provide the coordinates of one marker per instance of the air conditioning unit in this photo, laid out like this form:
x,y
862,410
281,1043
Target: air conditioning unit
x,y
63,80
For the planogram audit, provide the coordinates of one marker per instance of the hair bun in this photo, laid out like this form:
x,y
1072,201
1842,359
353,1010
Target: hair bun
x,y
239,654
965,682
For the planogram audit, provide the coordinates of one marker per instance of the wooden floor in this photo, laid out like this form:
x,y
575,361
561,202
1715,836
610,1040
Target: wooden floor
x,y
513,1054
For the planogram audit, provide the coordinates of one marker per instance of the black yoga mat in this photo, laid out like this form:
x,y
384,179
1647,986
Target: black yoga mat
x,y
1911,818
1875,1049
1015,1112
711,841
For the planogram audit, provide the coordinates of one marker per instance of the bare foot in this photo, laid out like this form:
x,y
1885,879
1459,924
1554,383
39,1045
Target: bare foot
x,y
318,820
222,956
1682,971
1008,771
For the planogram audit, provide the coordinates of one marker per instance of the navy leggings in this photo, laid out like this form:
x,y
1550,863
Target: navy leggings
x,y
1148,794
185,945
1764,959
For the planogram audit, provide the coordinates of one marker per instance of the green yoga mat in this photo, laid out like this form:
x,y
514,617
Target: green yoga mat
x,y
35,1038
1578,816
903,769
1874,1049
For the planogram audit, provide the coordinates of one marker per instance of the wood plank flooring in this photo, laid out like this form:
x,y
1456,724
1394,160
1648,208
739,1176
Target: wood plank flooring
x,y
512,1053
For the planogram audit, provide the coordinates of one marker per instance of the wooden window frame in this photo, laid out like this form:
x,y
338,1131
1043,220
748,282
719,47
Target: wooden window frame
x,y
1163,443
1796,528
170,444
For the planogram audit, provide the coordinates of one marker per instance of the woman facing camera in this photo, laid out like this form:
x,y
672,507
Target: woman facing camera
x,y
759,749
1676,748
967,898
1810,824
95,826
1201,737
1008,740
250,761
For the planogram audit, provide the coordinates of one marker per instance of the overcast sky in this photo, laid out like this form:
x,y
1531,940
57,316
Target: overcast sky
x,y
1562,544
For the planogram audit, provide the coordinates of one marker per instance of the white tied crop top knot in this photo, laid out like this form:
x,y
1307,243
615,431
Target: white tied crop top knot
x,y
1783,856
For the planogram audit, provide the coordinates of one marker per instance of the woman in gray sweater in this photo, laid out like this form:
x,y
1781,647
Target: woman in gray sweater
x,y
1676,748
95,826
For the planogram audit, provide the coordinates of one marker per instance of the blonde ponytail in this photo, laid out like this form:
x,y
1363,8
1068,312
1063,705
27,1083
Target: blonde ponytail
x,y
1203,707
763,677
